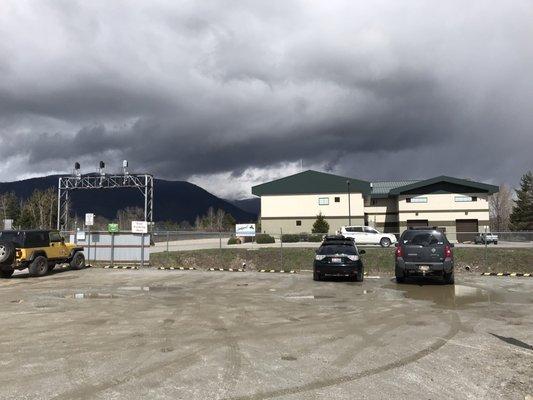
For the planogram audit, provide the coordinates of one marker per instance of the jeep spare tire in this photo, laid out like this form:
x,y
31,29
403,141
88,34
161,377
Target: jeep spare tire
x,y
7,253
78,261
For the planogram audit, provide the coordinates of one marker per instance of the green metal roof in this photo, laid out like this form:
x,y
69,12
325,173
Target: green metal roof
x,y
477,186
310,182
382,189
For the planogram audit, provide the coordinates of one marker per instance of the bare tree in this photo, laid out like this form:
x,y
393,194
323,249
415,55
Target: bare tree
x,y
500,208
127,215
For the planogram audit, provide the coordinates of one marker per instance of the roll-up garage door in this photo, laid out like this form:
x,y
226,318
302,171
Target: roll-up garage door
x,y
415,223
466,229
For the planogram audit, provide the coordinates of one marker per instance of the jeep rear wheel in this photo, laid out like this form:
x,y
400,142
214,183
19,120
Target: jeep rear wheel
x,y
78,261
39,266
7,253
6,273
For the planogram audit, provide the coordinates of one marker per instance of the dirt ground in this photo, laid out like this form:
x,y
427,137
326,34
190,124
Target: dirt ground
x,y
125,334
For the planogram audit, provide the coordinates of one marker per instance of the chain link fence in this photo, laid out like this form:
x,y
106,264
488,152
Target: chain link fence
x,y
485,252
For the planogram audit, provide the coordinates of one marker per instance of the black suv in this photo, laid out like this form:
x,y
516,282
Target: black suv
x,y
424,252
338,256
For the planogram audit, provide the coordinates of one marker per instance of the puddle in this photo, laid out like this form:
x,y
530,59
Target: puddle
x,y
305,297
444,296
79,296
288,358
513,341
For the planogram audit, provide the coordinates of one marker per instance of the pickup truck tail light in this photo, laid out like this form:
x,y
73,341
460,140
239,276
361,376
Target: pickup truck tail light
x,y
448,251
399,252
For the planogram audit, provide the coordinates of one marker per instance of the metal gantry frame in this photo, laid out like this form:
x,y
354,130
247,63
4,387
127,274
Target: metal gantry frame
x,y
143,182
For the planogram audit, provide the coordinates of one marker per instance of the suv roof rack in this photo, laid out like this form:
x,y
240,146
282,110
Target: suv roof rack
x,y
337,237
423,228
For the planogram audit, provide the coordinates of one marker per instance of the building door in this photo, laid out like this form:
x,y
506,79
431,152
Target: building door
x,y
466,229
415,223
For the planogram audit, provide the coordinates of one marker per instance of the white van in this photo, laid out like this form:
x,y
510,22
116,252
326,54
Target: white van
x,y
368,235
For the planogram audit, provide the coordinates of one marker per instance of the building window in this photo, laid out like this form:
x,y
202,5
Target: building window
x,y
337,199
323,201
298,223
418,199
461,198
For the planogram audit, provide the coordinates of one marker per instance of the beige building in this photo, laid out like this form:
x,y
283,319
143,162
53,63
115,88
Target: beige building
x,y
291,204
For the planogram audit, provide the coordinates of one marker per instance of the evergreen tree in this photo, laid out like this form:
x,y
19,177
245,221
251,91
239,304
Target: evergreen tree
x,y
320,225
522,215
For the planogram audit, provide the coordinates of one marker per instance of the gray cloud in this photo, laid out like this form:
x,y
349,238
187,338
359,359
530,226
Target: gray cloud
x,y
198,90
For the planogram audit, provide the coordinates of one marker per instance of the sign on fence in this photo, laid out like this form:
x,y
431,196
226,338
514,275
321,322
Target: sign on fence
x,y
139,227
245,230
112,228
89,219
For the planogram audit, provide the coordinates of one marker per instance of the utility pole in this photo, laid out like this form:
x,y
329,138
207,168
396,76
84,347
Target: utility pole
x,y
349,204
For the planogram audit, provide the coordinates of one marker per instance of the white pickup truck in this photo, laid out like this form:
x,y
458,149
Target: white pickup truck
x,y
482,238
368,235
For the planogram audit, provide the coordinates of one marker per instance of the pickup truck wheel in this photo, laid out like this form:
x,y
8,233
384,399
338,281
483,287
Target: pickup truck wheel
x,y
78,261
400,279
6,273
385,242
495,242
39,266
359,277
316,276
7,253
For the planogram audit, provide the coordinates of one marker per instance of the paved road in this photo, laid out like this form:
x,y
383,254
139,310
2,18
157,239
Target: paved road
x,y
104,334
215,243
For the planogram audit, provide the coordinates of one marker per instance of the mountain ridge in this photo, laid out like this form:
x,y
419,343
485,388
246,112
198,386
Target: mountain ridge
x,y
175,201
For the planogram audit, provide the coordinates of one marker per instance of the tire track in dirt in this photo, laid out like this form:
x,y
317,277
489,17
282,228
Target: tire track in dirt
x,y
320,384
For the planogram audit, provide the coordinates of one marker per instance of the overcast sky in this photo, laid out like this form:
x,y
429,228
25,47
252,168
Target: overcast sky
x,y
228,94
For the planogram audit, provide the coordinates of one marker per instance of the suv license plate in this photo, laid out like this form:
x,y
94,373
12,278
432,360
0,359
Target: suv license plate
x,y
424,268
335,260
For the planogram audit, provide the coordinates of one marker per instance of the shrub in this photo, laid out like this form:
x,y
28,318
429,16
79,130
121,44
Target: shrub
x,y
290,238
315,238
233,240
320,225
263,238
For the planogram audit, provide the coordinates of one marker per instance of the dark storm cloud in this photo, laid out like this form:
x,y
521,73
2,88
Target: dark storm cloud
x,y
384,91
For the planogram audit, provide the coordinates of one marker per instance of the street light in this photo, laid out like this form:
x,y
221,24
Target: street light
x,y
349,204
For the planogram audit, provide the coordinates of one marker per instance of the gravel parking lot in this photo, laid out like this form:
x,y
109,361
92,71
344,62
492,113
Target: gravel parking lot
x,y
109,334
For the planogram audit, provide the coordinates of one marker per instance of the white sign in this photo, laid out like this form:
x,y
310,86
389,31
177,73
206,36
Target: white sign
x,y
80,235
245,230
8,224
139,227
89,219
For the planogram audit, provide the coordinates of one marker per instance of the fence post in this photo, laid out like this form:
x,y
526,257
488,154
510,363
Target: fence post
x,y
281,246
89,246
168,240
112,248
142,250
486,262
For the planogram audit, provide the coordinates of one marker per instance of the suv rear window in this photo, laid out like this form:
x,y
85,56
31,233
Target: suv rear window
x,y
423,238
337,249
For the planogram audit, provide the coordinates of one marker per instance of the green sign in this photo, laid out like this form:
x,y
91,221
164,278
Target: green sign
x,y
112,228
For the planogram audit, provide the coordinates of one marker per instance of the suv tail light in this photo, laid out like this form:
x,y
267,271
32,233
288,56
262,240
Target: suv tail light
x,y
399,252
447,251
